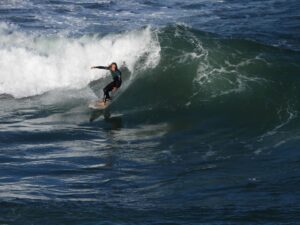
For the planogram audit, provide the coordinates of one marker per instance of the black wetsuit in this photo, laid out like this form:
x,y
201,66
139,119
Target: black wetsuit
x,y
116,83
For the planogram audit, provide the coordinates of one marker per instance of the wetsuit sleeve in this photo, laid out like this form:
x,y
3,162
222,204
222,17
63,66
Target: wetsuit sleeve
x,y
101,67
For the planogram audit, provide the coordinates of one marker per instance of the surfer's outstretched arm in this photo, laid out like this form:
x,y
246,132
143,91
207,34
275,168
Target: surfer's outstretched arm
x,y
100,67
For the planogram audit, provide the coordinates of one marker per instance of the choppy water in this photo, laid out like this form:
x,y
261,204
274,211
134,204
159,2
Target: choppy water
x,y
205,129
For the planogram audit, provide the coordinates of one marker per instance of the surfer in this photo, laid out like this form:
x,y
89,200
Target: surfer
x,y
117,80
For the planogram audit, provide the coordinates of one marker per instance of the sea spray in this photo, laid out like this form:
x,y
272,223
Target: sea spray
x,y
33,64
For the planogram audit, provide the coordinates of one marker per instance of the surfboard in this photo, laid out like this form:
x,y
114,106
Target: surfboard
x,y
99,105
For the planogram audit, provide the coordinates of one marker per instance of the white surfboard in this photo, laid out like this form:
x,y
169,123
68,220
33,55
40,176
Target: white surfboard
x,y
99,105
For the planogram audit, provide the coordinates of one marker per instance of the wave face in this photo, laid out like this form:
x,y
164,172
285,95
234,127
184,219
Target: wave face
x,y
200,72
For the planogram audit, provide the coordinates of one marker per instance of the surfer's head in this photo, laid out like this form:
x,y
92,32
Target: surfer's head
x,y
113,66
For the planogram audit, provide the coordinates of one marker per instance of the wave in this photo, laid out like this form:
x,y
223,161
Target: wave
x,y
172,69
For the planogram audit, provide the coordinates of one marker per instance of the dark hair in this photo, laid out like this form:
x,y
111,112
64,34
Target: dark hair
x,y
113,64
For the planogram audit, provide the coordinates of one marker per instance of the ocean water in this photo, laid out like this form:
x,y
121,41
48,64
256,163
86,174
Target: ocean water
x,y
204,130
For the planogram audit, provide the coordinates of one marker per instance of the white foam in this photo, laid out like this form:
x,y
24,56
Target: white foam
x,y
33,64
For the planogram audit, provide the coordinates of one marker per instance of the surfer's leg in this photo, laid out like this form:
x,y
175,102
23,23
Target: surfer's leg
x,y
117,85
107,89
